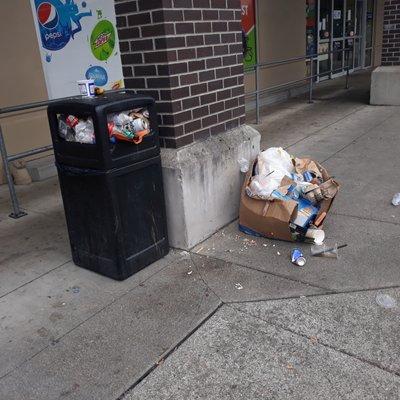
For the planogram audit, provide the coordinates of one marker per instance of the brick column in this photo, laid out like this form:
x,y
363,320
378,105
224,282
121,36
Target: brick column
x,y
187,54
391,33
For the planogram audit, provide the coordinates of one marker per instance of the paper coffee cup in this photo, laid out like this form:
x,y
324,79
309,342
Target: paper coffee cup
x,y
86,87
317,234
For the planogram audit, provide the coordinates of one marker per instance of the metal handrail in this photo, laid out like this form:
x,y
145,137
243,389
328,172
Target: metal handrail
x,y
17,212
311,77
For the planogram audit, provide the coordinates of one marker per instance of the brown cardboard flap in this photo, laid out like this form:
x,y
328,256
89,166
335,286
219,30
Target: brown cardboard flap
x,y
281,210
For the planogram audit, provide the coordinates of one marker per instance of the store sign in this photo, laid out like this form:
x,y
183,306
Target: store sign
x,y
77,40
249,30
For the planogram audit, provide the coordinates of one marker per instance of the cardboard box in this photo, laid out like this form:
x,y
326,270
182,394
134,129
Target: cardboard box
x,y
271,219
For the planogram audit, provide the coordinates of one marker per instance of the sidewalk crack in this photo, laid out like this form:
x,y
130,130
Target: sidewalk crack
x,y
319,342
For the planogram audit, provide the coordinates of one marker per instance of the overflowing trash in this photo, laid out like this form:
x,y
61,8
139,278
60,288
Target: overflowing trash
x,y
396,199
286,198
127,126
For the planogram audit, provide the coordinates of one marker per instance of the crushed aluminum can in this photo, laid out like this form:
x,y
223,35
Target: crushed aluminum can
x,y
298,258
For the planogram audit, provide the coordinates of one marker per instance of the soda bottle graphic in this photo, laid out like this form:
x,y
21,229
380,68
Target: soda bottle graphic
x,y
58,22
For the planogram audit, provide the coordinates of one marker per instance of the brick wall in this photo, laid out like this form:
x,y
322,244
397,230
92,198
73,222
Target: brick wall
x,y
187,54
391,33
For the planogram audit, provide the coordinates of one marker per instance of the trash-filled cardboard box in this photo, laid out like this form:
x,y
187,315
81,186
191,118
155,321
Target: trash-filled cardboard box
x,y
285,198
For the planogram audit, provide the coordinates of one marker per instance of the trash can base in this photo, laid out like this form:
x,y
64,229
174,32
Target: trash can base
x,y
123,269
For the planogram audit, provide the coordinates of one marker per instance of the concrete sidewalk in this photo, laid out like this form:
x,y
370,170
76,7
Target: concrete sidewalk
x,y
233,318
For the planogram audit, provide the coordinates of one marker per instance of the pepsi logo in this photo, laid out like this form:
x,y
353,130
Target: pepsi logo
x,y
47,15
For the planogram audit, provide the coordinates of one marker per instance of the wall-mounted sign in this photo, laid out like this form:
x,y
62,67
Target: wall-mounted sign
x,y
77,40
249,31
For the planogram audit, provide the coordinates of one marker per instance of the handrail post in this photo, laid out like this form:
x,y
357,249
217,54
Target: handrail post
x,y
257,95
257,15
348,71
310,93
17,212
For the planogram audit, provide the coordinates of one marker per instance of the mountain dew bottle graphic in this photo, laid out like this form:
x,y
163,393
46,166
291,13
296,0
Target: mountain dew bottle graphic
x,y
102,40
58,22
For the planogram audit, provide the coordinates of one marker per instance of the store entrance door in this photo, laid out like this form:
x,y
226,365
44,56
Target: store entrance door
x,y
341,31
347,35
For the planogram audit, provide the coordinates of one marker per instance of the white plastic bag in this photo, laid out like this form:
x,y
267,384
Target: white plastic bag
x,y
272,165
262,186
276,160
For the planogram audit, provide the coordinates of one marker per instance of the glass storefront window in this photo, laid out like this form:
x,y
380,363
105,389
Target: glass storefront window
x,y
348,55
337,57
344,27
337,18
311,28
368,57
357,53
350,17
359,17
369,23
324,19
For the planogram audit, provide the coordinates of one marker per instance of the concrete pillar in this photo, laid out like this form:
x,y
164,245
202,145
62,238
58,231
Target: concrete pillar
x,y
385,80
187,54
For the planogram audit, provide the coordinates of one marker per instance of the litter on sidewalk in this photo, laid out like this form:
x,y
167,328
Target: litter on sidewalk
x,y
324,250
298,258
286,198
396,199
384,300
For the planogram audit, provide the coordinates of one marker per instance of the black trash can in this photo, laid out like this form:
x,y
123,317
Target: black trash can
x,y
112,189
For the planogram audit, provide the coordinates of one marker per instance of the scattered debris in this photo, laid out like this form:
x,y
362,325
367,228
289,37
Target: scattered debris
x,y
385,301
238,286
298,258
314,339
324,250
396,199
296,194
